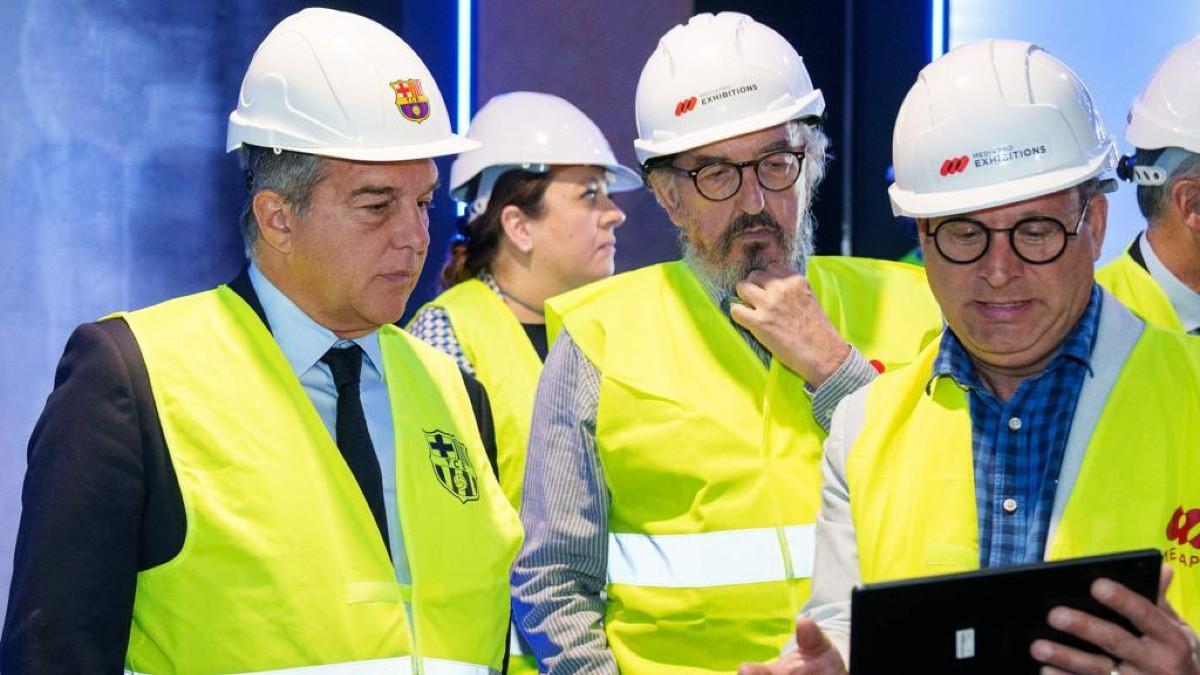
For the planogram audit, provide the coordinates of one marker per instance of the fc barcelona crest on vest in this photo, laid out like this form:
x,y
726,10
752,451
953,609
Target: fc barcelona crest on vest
x,y
452,466
411,100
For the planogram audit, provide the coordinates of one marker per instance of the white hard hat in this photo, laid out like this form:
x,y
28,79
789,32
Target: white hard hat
x,y
715,78
532,131
336,84
1167,112
994,122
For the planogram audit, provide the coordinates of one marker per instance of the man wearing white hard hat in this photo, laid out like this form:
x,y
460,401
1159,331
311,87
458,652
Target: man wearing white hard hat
x,y
1158,277
539,222
1048,422
672,476
270,476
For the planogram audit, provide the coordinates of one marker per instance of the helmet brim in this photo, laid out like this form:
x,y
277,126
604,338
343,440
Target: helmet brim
x,y
931,205
810,105
450,145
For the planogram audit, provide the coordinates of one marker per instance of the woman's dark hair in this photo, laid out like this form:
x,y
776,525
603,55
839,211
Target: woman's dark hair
x,y
475,248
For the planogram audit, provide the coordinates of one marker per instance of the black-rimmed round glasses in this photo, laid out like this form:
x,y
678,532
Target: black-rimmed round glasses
x,y
1038,240
721,179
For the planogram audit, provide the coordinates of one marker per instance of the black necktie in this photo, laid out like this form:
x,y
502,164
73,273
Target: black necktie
x,y
353,439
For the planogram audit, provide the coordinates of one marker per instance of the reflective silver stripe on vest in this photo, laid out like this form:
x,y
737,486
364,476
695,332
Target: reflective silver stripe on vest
x,y
397,666
707,559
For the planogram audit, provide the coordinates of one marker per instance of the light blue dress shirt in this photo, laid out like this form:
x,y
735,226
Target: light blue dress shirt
x,y
304,342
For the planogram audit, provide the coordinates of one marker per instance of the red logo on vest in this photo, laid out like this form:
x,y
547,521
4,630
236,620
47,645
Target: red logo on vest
x,y
1182,527
1184,530
685,106
955,165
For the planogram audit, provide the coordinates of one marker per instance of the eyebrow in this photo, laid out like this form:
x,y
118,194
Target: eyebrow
x,y
765,150
382,190
373,190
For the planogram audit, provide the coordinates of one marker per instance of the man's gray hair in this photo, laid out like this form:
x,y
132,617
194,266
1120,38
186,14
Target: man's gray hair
x,y
292,175
1153,200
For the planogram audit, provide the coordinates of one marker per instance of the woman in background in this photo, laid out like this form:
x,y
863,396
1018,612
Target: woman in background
x,y
539,222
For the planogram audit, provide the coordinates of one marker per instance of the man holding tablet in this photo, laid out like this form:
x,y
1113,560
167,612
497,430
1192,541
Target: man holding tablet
x,y
1048,422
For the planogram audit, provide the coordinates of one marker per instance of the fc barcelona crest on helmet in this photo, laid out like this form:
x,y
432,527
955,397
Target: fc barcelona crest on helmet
x,y
452,466
411,100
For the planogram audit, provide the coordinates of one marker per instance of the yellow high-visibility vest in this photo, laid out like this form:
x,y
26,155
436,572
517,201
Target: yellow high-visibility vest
x,y
912,484
712,458
506,364
282,565
1137,290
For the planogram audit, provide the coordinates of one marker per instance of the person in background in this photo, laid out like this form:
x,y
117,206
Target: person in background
x,y
270,475
672,478
1158,276
1048,422
540,221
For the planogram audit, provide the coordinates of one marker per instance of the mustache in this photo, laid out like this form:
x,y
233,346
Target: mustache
x,y
744,222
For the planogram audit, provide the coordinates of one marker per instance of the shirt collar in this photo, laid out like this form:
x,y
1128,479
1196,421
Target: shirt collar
x,y
303,340
954,362
488,280
1185,301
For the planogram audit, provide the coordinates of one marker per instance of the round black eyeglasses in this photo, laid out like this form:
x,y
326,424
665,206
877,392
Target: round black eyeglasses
x,y
720,180
1037,240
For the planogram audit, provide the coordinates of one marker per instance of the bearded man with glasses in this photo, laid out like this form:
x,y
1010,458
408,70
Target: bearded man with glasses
x,y
672,476
1048,422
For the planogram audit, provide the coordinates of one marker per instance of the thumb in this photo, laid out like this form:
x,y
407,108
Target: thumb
x,y
810,639
1164,582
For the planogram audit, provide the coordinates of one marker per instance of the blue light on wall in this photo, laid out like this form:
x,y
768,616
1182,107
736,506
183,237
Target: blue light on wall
x,y
937,29
462,118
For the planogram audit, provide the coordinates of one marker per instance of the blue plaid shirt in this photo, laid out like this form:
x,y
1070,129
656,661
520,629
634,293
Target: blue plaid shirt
x,y
1018,445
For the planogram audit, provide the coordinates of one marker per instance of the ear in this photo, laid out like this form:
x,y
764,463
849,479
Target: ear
x,y
517,227
1097,221
274,217
1185,198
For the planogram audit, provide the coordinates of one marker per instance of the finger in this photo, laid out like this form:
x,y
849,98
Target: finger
x,y
1051,670
1104,634
779,270
811,641
753,669
751,293
744,316
1164,582
1144,614
1061,658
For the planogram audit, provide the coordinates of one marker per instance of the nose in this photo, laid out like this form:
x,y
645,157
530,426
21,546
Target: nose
x,y
750,194
410,229
613,216
1000,264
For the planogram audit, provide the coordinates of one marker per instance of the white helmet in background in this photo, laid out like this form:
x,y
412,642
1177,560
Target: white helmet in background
x,y
531,131
718,77
336,84
1166,115
994,122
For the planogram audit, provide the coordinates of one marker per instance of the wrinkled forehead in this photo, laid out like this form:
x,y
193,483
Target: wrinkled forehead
x,y
1061,205
788,135
415,176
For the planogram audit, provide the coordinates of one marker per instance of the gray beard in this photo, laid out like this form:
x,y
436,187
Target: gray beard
x,y
726,264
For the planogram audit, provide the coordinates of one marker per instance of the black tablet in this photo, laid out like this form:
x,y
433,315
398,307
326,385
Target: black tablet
x,y
983,621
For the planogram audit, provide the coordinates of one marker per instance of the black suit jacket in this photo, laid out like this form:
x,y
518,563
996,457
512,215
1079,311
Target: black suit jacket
x,y
100,503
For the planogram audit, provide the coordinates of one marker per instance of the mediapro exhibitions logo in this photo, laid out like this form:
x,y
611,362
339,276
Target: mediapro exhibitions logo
x,y
713,96
955,165
1183,537
687,105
